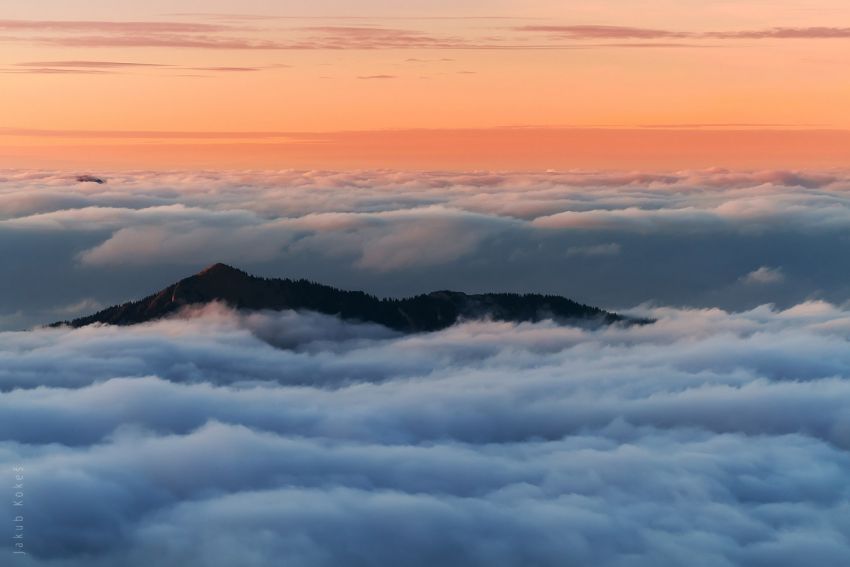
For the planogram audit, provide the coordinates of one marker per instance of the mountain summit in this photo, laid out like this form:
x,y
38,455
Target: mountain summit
x,y
427,312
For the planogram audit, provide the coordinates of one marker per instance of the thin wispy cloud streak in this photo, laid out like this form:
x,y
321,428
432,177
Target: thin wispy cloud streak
x,y
602,32
158,134
57,71
88,64
785,33
107,26
585,32
102,34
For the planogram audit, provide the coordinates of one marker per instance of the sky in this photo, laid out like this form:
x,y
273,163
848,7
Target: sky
x,y
459,85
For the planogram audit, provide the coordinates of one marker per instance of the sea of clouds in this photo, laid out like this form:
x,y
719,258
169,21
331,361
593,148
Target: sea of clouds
x,y
220,438
707,238
717,436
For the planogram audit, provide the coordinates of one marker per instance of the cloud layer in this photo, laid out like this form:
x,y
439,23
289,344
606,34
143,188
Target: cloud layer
x,y
614,239
712,437
708,438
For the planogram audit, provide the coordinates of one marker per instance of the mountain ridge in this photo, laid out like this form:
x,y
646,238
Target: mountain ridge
x,y
421,313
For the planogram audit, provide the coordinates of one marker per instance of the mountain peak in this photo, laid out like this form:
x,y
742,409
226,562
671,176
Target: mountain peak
x,y
429,312
220,269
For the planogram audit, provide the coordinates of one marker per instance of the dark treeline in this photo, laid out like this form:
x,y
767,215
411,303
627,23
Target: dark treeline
x,y
426,312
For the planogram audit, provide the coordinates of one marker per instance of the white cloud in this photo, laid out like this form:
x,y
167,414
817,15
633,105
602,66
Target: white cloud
x,y
706,438
764,275
673,238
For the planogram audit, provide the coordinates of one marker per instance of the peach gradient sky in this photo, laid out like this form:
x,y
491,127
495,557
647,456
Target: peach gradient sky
x,y
467,83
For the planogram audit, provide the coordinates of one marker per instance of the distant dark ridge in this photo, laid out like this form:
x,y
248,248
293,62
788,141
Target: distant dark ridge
x,y
90,179
427,312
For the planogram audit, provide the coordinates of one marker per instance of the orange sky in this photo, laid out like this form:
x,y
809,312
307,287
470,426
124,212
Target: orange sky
x,y
259,84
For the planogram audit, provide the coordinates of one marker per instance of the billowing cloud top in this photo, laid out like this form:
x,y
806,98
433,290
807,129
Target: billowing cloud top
x,y
711,437
708,438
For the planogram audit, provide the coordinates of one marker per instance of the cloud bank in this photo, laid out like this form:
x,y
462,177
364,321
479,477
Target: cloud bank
x,y
718,435
613,239
707,438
